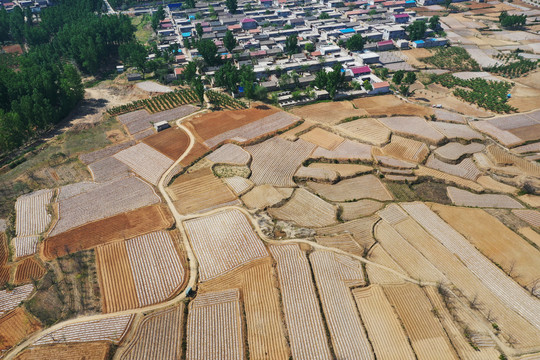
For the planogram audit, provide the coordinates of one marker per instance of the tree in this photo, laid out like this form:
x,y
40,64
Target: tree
x,y
320,79
260,93
417,30
398,77
509,21
447,3
381,72
229,41
199,29
324,16
227,76
189,4
291,44
434,22
355,43
404,90
157,16
134,54
372,12
198,86
335,80
208,51
248,7
190,72
309,47
232,5
367,85
410,77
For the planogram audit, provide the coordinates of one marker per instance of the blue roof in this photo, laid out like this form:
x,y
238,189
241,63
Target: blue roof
x,y
186,34
418,41
174,6
410,2
347,31
192,17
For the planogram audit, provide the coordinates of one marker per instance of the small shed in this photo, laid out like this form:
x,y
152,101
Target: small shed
x,y
161,125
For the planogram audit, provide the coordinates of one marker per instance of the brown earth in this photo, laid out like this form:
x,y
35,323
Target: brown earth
x,y
525,97
197,151
414,57
199,190
211,124
115,278
497,242
119,227
328,112
15,326
390,105
3,249
436,94
171,142
28,270
76,351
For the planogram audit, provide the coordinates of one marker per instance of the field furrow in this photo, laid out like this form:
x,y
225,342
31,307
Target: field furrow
x,y
145,161
464,198
28,270
9,300
230,154
361,187
15,326
32,216
25,245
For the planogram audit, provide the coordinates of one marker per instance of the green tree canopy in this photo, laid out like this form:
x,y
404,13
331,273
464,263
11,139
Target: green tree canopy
x,y
355,43
309,47
417,30
199,29
398,77
434,22
509,21
410,77
229,41
208,50
291,44
232,5
157,16
324,16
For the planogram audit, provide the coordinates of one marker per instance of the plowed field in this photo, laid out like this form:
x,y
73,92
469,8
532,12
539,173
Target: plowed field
x,y
115,277
382,324
198,191
426,333
379,275
3,249
197,151
15,326
328,113
360,229
211,124
494,240
158,336
27,270
367,130
86,351
171,142
118,227
406,149
322,138
390,105
9,300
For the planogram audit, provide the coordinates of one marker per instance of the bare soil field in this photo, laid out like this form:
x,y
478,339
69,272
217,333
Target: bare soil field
x,y
406,149
390,105
158,336
343,242
28,270
415,56
230,154
211,124
328,112
413,126
322,138
306,209
426,333
15,326
436,94
382,324
360,229
334,275
223,242
214,326
119,227
260,197
495,241
362,187
198,191
300,304
197,151
116,279
84,351
171,142
354,210
343,170
525,94
531,235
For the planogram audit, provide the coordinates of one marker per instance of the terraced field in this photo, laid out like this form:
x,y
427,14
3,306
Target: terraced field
x,y
99,350
276,160
465,169
347,150
32,216
171,142
111,329
25,245
361,208
360,229
306,209
465,198
108,169
457,131
424,172
302,313
413,126
343,242
362,187
230,154
344,170
145,161
322,138
532,217
334,274
108,199
15,326
119,227
366,130
379,275
9,300
28,270
214,326
382,324
222,242
263,196
198,191
158,336
454,151
423,328
238,184
406,149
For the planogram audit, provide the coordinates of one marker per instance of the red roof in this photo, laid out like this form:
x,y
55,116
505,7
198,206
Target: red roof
x,y
247,20
178,71
381,84
385,42
400,16
316,53
234,27
361,70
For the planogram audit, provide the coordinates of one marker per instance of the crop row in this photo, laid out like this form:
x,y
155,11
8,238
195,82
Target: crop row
x,y
157,103
225,101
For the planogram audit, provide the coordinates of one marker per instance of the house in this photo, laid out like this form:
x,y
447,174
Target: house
x,y
380,88
418,44
134,77
401,18
266,3
248,24
369,57
385,45
360,71
393,32
120,69
401,44
161,125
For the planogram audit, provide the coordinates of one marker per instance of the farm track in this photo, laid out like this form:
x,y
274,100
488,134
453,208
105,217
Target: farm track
x,y
193,271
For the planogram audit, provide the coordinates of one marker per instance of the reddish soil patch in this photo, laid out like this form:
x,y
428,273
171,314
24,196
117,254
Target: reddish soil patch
x,y
4,274
211,124
197,151
3,249
28,270
13,49
119,227
15,326
172,142
80,351
390,105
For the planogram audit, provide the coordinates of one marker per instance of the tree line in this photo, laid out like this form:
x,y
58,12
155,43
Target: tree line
x,y
41,87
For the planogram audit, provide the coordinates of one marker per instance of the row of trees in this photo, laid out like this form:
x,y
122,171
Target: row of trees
x,y
231,78
511,21
331,81
42,86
